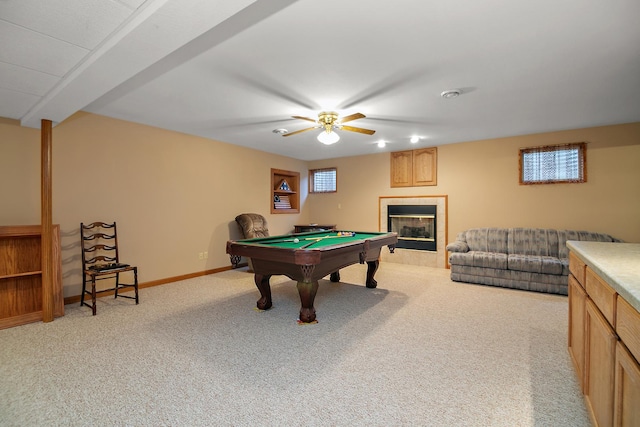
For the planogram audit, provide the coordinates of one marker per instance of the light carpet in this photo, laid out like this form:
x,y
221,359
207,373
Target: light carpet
x,y
419,350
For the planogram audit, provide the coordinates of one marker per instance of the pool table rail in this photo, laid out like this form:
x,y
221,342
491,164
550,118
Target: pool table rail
x,y
253,248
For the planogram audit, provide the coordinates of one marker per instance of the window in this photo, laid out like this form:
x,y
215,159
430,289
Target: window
x,y
553,164
323,180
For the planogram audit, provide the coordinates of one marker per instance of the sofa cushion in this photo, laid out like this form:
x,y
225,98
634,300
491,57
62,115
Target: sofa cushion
x,y
533,241
487,239
479,259
535,264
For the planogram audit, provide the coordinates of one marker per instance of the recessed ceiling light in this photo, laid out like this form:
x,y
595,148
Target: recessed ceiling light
x,y
451,93
280,131
414,139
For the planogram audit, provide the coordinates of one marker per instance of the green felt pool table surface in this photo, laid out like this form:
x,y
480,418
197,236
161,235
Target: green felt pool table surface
x,y
318,239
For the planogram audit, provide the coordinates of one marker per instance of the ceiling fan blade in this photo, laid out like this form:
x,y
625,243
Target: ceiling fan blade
x,y
359,130
355,116
305,118
299,131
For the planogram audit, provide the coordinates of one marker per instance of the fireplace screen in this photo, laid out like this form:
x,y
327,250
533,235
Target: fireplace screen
x,y
415,225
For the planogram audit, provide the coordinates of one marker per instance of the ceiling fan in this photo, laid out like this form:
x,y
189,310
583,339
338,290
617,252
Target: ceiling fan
x,y
330,122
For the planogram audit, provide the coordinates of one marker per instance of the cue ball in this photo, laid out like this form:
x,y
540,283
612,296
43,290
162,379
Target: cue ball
x,y
296,240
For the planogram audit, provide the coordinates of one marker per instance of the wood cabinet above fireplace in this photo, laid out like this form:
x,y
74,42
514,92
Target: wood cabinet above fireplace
x,y
414,168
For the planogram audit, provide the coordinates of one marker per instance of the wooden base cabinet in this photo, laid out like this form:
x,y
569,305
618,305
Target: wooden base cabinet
x,y
627,389
604,344
627,392
577,306
600,353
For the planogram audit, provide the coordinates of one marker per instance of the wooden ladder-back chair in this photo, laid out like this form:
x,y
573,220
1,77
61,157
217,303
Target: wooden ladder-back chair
x,y
100,261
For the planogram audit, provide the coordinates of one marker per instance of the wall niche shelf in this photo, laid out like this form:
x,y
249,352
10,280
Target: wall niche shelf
x,y
285,185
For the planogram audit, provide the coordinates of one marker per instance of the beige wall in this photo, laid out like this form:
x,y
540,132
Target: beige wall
x,y
173,195
176,195
480,179
19,174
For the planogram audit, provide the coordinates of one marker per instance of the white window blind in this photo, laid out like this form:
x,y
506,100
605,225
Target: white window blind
x,y
553,164
323,180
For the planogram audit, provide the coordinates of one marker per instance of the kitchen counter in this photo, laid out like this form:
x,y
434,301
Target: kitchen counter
x,y
616,263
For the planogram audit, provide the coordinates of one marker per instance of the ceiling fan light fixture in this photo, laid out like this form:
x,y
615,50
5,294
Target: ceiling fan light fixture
x,y
328,137
280,131
328,121
382,143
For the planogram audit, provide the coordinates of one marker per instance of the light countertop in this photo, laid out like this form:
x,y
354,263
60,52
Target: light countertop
x,y
618,264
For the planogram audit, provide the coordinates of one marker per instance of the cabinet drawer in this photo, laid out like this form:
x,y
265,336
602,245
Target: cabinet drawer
x,y
602,295
628,326
577,268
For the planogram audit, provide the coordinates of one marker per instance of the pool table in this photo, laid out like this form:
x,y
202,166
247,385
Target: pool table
x,y
308,257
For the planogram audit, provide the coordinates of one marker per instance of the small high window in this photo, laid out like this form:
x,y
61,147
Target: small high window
x,y
323,180
553,164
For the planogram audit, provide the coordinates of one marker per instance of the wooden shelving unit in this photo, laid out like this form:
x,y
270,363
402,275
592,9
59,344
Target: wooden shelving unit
x,y
285,197
21,275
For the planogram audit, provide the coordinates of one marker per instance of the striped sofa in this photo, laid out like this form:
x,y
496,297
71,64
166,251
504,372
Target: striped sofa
x,y
532,259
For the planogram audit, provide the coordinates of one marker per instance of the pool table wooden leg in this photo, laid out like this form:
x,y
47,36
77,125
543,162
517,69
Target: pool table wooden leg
x,y
262,282
372,267
307,291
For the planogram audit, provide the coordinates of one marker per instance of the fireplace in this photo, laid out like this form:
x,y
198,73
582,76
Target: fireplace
x,y
415,224
435,253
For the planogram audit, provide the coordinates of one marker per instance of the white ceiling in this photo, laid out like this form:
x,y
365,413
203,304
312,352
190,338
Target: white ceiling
x,y
234,70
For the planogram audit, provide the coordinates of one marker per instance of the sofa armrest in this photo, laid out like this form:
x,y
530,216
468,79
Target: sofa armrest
x,y
458,246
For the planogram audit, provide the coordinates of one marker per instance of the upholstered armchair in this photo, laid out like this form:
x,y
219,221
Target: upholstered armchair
x,y
252,225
